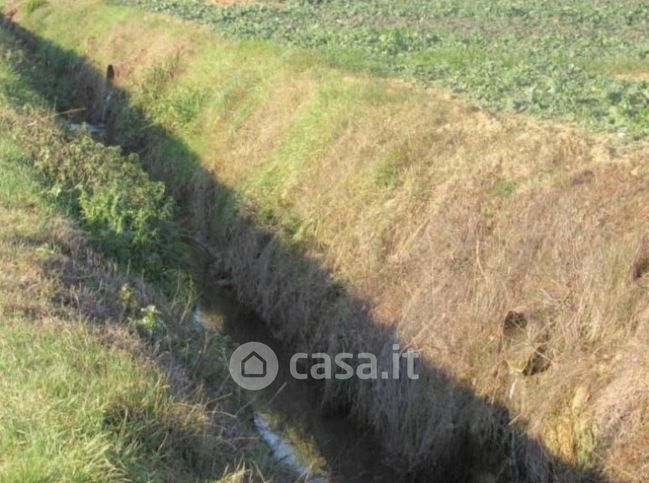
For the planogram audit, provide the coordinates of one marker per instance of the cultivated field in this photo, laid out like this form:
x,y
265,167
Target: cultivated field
x,y
581,60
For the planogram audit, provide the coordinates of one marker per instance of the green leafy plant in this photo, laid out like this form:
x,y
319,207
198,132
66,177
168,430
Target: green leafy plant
x,y
509,54
147,322
129,216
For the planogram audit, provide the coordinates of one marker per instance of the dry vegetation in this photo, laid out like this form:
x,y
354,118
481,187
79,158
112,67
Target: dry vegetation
x,y
354,212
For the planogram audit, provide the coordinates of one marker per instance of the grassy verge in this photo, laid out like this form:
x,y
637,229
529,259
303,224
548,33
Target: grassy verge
x,y
86,402
353,212
95,385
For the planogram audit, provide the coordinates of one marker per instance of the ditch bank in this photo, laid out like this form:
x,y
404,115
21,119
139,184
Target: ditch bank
x,y
352,213
80,174
317,445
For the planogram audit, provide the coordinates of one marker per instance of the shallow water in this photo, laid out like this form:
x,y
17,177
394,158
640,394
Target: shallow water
x,y
284,452
337,450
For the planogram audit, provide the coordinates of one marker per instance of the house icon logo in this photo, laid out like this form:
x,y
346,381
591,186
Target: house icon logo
x,y
254,366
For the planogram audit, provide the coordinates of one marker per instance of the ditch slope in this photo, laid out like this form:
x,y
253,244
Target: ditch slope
x,y
353,212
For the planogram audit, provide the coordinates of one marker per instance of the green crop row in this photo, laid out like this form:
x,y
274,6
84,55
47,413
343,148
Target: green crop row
x,y
580,60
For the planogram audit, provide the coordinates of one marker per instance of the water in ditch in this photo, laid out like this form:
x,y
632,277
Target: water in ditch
x,y
288,416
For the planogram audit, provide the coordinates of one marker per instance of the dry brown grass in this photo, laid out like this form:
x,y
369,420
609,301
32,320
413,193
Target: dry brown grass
x,y
636,76
441,218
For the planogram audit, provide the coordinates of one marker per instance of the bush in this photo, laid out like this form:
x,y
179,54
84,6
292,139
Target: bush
x,y
128,216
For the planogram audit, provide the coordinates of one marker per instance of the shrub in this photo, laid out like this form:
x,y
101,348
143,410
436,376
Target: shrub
x,y
128,216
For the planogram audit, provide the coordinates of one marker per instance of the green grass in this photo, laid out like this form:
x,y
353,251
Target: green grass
x,y
555,58
83,402
32,5
17,188
127,216
71,408
57,394
503,188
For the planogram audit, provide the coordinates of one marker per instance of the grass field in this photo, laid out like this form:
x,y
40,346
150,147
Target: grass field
x,y
584,61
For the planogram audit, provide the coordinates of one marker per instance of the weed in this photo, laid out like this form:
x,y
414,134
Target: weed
x,y
503,188
32,5
86,402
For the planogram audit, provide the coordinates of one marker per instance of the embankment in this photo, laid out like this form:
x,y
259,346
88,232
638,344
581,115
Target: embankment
x,y
354,212
102,378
